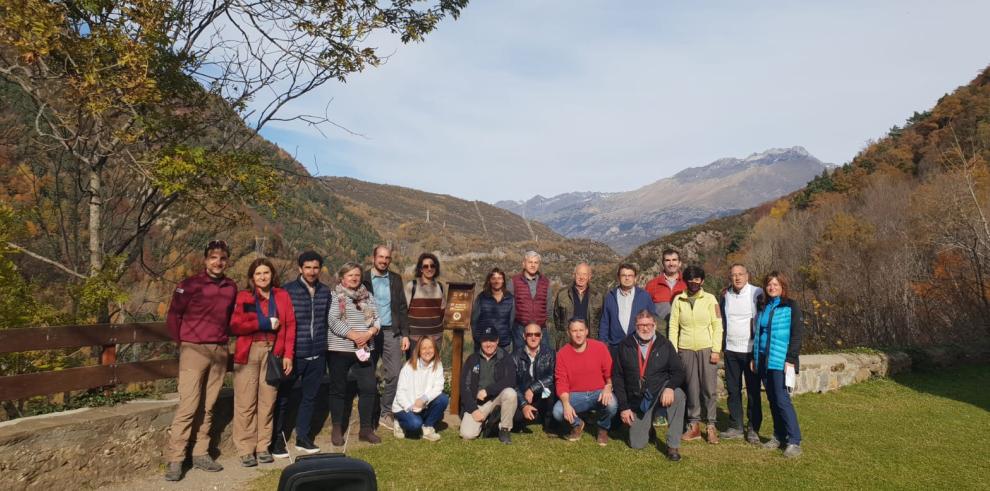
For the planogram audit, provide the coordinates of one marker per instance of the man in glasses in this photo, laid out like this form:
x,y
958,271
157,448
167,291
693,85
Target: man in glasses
x,y
621,304
534,380
198,320
393,339
648,376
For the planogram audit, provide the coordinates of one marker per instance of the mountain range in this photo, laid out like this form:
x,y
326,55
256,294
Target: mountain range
x,y
724,187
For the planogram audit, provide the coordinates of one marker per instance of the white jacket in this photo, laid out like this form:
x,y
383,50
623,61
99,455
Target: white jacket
x,y
423,382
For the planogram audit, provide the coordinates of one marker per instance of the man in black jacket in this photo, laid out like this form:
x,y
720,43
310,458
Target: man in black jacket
x,y
647,376
488,390
534,379
393,340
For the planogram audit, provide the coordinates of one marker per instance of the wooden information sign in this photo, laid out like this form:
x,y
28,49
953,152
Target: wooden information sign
x,y
457,318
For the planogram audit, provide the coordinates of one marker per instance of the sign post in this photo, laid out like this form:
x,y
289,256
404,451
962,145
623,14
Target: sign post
x,y
457,319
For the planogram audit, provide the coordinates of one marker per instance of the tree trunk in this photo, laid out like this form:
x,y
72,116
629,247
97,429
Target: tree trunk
x,y
95,225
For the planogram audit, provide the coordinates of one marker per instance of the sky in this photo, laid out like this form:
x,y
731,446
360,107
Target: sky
x,y
527,97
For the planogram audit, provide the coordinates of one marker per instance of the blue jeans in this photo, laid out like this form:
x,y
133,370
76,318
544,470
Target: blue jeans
x,y
785,423
310,374
519,341
587,401
413,423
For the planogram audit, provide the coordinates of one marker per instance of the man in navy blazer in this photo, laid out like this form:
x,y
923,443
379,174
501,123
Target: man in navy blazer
x,y
621,305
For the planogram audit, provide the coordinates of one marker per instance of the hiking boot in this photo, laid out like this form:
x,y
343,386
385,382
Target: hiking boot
x,y
387,421
305,445
429,433
792,451
752,437
248,461
367,434
398,433
731,434
772,444
673,455
278,450
602,437
265,458
693,433
206,463
711,434
174,471
504,436
337,435
576,432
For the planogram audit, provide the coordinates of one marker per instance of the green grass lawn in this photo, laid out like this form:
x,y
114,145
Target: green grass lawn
x,y
920,430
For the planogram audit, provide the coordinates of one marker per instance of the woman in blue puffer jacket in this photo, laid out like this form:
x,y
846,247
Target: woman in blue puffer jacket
x,y
778,342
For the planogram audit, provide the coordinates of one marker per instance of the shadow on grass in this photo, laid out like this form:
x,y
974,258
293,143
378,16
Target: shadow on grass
x,y
964,384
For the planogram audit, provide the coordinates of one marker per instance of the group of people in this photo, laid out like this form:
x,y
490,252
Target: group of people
x,y
630,355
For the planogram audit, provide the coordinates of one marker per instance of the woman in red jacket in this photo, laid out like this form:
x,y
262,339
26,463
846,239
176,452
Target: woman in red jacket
x,y
263,318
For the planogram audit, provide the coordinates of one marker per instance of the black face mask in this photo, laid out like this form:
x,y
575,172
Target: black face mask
x,y
693,287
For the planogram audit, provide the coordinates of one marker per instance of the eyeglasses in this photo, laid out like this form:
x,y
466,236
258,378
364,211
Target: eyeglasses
x,y
534,334
428,266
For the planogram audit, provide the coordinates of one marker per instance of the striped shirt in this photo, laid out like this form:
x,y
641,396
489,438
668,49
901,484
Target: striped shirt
x,y
354,320
425,307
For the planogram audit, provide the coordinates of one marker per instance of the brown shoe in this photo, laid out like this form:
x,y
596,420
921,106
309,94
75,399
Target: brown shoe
x,y
576,432
602,437
367,434
693,433
337,435
711,434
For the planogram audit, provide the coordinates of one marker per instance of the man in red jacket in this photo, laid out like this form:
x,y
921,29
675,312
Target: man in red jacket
x,y
198,319
666,286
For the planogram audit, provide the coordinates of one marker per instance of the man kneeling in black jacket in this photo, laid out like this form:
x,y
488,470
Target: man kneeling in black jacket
x,y
488,384
534,380
647,376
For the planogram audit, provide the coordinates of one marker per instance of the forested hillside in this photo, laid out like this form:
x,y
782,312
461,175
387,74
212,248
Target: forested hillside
x,y
891,248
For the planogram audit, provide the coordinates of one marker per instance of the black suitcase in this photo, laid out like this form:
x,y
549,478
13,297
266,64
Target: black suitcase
x,y
328,471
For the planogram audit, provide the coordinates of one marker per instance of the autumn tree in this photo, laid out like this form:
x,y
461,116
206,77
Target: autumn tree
x,y
144,111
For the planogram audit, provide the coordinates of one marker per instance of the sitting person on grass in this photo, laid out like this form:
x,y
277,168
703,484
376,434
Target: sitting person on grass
x,y
419,399
583,377
488,390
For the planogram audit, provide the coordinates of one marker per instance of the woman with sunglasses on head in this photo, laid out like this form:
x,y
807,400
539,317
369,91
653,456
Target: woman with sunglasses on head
x,y
426,299
419,399
775,359
353,324
263,321
494,308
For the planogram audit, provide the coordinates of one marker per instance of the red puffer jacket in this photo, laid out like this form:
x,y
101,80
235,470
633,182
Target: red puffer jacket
x,y
244,323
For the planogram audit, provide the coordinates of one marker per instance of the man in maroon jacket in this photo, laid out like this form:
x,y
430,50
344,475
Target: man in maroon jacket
x,y
198,320
533,299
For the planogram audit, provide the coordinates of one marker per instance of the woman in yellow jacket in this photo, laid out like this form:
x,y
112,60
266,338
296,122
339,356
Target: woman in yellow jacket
x,y
696,333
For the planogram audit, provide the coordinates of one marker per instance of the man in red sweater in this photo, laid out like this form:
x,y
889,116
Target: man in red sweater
x,y
583,378
198,319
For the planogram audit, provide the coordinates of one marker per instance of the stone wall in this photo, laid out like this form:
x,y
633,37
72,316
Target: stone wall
x,y
93,447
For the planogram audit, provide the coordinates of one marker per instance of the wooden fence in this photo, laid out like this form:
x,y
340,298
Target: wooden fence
x,y
107,373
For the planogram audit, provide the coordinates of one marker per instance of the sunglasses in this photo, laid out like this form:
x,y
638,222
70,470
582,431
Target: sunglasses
x,y
428,266
534,334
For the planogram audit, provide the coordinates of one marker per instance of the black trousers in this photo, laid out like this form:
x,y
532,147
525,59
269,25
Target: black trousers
x,y
736,370
309,374
340,364
544,411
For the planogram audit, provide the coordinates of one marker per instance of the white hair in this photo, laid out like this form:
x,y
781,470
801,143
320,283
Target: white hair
x,y
531,254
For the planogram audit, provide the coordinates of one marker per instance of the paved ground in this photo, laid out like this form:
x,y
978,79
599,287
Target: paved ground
x,y
235,477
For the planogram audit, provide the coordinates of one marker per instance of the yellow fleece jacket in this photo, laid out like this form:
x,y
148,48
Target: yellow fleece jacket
x,y
696,327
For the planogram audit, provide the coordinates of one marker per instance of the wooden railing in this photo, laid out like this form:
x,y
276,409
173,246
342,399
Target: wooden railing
x,y
107,373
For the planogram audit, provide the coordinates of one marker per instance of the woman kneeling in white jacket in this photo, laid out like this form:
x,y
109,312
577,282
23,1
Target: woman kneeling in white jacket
x,y
419,399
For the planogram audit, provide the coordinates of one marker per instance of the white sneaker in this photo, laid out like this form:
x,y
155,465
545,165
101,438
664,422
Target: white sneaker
x,y
430,434
398,433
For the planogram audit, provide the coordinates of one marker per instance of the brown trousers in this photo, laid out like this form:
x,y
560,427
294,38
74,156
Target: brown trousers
x,y
254,403
201,371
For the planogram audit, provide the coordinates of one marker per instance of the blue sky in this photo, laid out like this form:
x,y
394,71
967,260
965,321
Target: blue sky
x,y
518,98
